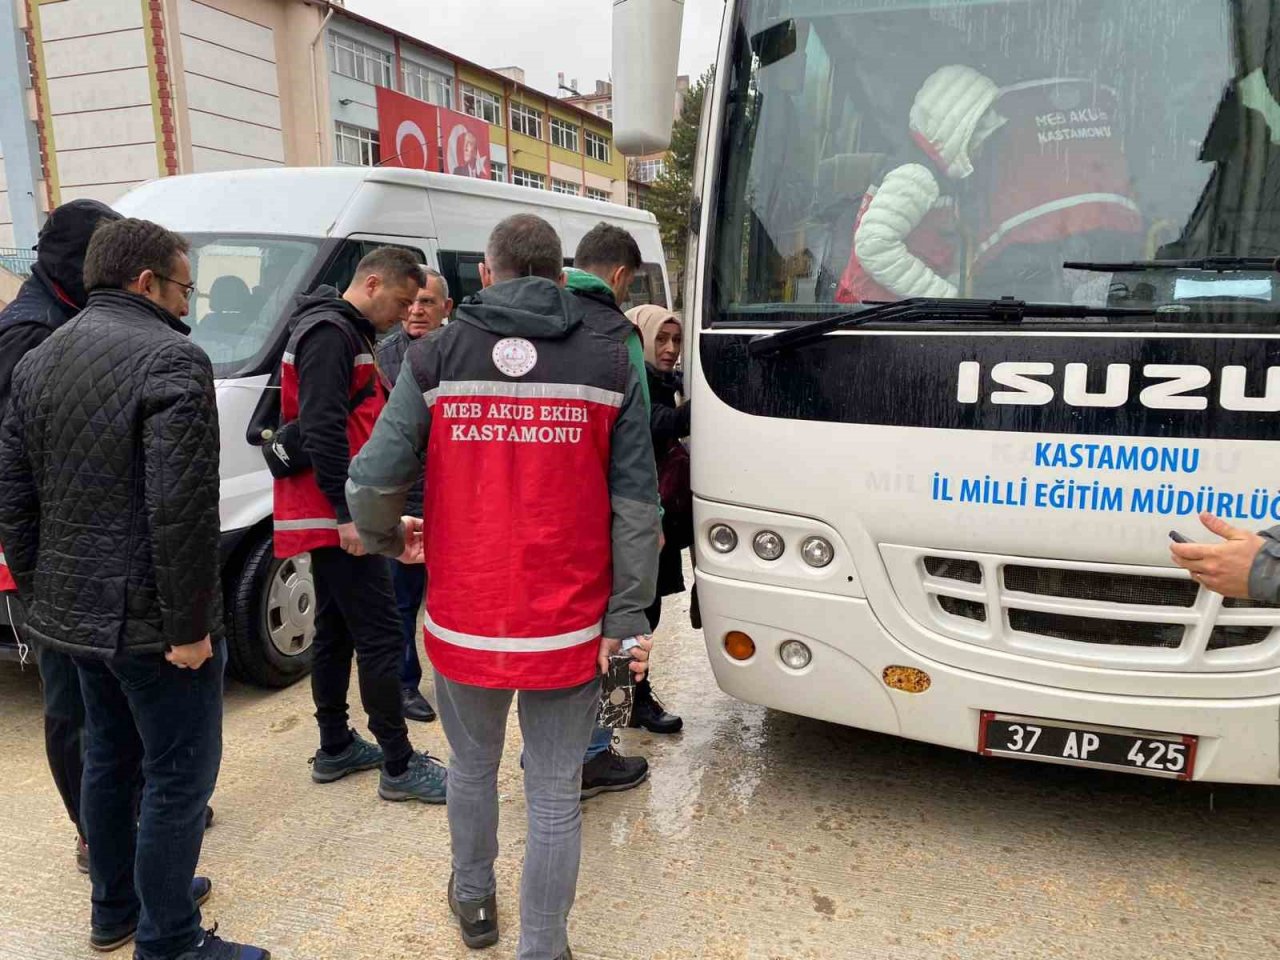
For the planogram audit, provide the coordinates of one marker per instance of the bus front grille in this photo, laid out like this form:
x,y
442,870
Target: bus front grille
x,y
1136,618
1116,633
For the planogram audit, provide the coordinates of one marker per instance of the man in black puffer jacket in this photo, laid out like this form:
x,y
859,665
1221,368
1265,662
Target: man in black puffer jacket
x,y
52,295
429,311
109,516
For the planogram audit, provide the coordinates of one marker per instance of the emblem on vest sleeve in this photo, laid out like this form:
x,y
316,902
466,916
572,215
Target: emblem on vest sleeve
x,y
514,356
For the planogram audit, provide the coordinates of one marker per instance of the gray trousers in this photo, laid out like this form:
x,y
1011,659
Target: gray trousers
x,y
556,725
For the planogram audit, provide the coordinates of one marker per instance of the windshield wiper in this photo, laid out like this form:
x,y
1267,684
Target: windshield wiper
x,y
1211,264
1006,310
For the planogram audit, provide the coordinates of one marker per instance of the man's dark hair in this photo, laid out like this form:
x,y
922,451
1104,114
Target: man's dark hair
x,y
607,247
393,265
120,251
524,246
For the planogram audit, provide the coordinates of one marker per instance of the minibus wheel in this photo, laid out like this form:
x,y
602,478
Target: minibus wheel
x,y
271,607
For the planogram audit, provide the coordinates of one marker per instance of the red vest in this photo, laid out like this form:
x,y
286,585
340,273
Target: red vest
x,y
6,578
521,564
1055,170
304,517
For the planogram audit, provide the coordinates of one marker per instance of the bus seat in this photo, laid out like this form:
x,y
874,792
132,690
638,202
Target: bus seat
x,y
843,180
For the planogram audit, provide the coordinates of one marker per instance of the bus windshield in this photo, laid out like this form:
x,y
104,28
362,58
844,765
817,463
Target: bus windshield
x,y
877,150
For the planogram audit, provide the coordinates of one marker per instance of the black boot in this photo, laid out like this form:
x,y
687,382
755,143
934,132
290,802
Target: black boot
x,y
649,712
477,919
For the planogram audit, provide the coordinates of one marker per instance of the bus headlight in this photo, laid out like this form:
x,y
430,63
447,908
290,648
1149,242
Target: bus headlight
x,y
723,539
768,545
817,551
795,654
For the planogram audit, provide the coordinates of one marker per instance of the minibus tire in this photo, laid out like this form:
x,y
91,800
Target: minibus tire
x,y
252,656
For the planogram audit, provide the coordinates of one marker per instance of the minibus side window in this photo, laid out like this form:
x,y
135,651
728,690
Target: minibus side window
x,y
462,271
646,287
343,265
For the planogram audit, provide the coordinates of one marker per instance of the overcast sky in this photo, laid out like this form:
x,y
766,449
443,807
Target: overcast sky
x,y
543,36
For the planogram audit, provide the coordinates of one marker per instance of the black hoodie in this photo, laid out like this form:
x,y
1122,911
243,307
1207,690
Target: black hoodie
x,y
323,358
55,293
63,243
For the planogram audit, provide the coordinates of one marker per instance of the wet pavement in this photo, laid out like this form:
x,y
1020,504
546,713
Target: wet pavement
x,y
759,835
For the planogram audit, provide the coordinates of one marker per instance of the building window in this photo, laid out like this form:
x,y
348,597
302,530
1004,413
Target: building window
x,y
564,135
526,120
481,103
524,178
497,171
565,187
427,84
633,197
597,147
356,146
359,61
647,171
594,194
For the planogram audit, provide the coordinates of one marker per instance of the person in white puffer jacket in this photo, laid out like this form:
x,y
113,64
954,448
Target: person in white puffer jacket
x,y
905,237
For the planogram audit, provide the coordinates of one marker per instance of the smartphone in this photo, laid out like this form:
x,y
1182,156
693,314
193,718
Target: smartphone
x,y
617,692
1176,537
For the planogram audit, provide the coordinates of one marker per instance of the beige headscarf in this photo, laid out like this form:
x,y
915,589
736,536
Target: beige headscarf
x,y
649,320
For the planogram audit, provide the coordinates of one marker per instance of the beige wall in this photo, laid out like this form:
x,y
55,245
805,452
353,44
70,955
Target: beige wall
x,y
247,83
94,56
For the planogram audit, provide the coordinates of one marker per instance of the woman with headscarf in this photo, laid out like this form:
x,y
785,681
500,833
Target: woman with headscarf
x,y
660,329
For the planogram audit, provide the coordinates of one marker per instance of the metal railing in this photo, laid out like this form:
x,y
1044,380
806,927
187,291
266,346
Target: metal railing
x,y
17,261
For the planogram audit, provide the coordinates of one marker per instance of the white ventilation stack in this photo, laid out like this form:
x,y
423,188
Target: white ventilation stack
x,y
646,57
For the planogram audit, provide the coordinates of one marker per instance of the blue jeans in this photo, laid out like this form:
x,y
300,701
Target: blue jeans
x,y
143,713
410,582
601,737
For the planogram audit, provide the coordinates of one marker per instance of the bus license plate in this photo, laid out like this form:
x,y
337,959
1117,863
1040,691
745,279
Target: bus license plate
x,y
1170,755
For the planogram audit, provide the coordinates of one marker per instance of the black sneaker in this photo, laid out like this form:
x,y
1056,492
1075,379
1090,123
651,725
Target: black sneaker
x,y
208,817
359,755
649,713
611,772
82,855
425,780
416,706
477,919
104,941
213,947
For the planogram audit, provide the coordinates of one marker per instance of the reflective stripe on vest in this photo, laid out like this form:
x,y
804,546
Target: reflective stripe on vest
x,y
1054,206
318,523
524,391
511,644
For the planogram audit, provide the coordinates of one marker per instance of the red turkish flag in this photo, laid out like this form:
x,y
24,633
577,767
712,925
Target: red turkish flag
x,y
408,131
466,144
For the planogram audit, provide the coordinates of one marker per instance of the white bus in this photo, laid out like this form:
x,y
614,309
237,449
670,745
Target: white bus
x,y
928,510
259,238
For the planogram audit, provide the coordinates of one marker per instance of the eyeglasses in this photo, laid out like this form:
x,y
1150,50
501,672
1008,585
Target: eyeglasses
x,y
188,289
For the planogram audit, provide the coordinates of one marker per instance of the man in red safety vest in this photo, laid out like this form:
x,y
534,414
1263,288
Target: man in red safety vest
x,y
330,388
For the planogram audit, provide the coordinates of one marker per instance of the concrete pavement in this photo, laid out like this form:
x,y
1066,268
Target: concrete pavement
x,y
758,836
